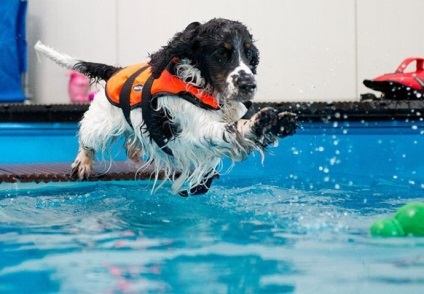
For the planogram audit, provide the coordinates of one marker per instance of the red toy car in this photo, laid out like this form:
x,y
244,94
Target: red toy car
x,y
401,85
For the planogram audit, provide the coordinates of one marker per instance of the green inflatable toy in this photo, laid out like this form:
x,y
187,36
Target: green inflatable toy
x,y
408,221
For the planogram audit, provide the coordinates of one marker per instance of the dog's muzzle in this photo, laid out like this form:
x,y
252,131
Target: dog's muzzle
x,y
245,82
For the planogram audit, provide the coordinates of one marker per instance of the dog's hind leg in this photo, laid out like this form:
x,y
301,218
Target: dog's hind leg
x,y
100,128
201,188
133,148
82,167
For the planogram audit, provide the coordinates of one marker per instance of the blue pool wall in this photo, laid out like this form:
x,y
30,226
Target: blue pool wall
x,y
336,154
38,142
320,153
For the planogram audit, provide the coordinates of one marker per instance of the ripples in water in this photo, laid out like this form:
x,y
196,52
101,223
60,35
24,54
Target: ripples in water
x,y
116,237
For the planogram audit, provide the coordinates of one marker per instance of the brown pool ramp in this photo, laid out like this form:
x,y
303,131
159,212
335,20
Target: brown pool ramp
x,y
61,172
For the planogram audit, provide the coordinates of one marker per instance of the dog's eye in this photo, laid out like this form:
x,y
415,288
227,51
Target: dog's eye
x,y
249,54
222,55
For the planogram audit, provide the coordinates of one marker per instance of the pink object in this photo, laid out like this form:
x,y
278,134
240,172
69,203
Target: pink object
x,y
92,94
79,87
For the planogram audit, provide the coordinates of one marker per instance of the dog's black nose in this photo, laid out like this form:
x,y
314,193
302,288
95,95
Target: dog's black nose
x,y
246,82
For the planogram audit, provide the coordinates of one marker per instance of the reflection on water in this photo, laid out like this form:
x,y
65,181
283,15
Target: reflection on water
x,y
242,237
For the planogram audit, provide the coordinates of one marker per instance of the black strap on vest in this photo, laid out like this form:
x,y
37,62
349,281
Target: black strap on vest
x,y
148,113
125,94
151,119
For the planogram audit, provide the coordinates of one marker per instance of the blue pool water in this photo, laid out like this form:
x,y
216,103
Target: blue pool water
x,y
298,223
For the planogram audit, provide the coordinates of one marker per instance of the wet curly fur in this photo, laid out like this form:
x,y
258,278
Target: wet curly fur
x,y
220,58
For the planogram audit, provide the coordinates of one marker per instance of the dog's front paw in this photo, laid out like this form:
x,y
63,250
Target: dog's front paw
x,y
286,125
263,121
262,124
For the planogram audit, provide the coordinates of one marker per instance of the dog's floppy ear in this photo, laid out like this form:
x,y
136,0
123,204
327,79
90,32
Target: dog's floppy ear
x,y
179,46
254,61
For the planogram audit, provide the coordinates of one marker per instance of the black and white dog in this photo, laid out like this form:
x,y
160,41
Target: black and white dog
x,y
183,111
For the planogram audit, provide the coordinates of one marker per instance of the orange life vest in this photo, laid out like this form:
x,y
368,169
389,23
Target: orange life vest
x,y
166,84
134,86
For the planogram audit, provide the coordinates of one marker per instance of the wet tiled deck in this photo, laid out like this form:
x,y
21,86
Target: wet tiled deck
x,y
61,172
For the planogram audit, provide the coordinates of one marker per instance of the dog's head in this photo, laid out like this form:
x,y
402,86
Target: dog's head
x,y
220,52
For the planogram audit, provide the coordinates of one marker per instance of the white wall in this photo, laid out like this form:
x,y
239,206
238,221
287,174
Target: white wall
x,y
311,50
